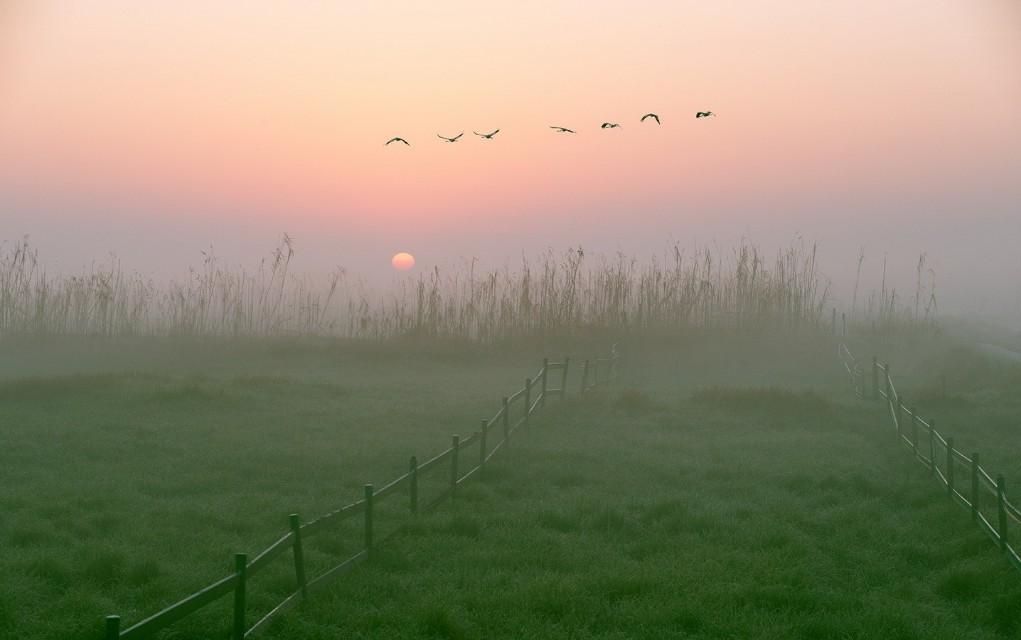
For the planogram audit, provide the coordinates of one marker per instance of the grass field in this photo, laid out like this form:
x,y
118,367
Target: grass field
x,y
698,499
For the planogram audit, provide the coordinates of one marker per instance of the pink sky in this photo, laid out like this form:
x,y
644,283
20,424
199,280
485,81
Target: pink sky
x,y
154,129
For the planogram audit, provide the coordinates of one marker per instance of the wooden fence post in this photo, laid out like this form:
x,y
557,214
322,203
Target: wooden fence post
x,y
974,486
455,445
113,628
506,421
241,570
900,414
950,466
528,400
1001,507
889,385
875,378
843,322
413,470
482,448
368,518
914,430
299,554
545,368
563,377
932,447
584,377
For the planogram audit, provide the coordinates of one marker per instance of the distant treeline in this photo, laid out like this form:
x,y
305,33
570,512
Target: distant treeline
x,y
559,294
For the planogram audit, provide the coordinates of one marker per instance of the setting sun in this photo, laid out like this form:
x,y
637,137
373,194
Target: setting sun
x,y
403,261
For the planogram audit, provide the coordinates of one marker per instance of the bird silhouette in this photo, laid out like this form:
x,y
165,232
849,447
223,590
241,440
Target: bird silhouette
x,y
653,116
704,114
446,139
397,140
487,136
607,125
562,129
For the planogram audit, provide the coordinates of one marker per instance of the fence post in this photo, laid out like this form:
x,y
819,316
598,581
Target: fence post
x,y
241,570
413,470
506,422
875,378
950,466
843,323
482,448
299,554
528,400
932,447
545,368
563,378
900,414
1001,508
368,518
974,486
833,322
455,445
914,430
584,377
889,385
113,627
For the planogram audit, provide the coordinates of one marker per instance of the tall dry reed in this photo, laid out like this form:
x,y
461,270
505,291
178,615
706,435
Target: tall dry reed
x,y
560,294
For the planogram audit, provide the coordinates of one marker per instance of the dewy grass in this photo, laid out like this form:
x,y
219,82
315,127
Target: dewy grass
x,y
638,514
560,295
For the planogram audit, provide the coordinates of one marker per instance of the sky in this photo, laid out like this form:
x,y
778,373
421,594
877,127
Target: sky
x,y
155,130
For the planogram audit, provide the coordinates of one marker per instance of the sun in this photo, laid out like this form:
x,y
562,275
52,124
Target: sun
x,y
402,261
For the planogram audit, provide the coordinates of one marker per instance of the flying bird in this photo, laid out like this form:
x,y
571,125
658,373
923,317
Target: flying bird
x,y
487,136
653,116
607,125
562,129
397,140
454,139
704,114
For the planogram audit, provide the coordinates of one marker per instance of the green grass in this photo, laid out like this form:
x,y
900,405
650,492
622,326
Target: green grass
x,y
685,519
130,472
730,488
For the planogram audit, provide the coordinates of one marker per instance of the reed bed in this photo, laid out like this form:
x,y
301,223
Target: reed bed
x,y
565,293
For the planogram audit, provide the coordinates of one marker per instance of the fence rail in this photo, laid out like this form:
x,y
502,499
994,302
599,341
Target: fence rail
x,y
909,425
237,582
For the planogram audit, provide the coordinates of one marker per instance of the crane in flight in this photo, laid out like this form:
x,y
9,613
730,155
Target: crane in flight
x,y
446,139
397,140
562,129
608,125
487,136
703,114
653,116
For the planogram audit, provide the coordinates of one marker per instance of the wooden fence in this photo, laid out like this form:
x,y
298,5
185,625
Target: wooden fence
x,y
937,453
532,396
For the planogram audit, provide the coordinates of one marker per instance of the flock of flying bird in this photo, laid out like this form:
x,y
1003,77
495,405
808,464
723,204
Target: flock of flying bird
x,y
605,125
